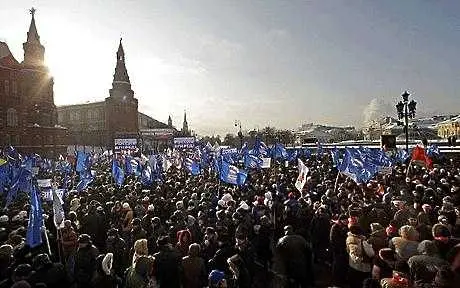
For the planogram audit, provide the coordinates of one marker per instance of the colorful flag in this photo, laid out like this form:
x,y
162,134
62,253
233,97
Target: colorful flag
x,y
302,178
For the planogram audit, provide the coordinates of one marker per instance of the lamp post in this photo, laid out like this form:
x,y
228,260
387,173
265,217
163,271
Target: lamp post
x,y
405,111
240,134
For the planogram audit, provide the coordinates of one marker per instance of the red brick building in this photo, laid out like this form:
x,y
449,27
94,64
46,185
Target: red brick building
x,y
99,123
28,116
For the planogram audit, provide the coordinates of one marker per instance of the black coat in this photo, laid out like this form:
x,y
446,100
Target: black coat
x,y
168,267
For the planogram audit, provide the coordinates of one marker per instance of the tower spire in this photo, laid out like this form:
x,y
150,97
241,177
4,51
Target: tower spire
x,y
185,124
121,86
34,52
169,121
32,35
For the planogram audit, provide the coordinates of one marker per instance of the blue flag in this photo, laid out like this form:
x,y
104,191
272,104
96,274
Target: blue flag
x,y
279,152
433,151
306,153
260,149
20,181
191,166
82,161
252,162
231,174
86,177
292,155
146,176
117,173
4,175
34,228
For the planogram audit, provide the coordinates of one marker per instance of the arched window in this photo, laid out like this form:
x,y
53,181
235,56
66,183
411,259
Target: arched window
x,y
11,118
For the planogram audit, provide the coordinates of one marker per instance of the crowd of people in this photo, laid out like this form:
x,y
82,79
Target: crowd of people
x,y
398,230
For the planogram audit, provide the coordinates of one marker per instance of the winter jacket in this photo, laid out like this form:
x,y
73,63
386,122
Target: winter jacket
x,y
167,267
359,252
337,238
85,265
378,240
193,272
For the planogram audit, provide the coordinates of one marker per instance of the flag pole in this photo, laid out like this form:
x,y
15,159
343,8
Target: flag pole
x,y
336,181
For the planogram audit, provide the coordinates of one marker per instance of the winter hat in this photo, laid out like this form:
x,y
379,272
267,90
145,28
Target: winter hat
x,y
216,276
6,250
150,207
190,220
244,206
107,263
125,206
179,205
427,247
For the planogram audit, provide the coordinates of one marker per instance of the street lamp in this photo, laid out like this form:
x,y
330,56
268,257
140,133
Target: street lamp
x,y
240,134
405,111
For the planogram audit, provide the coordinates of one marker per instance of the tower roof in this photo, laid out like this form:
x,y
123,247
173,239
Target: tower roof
x,y
121,73
32,35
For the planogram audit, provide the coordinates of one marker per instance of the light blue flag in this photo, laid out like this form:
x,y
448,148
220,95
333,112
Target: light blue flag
x,y
34,228
117,173
232,175
82,162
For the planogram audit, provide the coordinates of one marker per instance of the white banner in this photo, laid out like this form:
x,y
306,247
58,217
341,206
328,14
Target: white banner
x,y
125,144
225,151
47,194
302,179
184,142
44,183
266,162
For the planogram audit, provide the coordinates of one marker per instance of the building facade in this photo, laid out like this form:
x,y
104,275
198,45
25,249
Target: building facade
x,y
99,123
28,115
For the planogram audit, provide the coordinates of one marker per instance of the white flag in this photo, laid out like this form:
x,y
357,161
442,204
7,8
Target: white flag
x,y
302,179
57,210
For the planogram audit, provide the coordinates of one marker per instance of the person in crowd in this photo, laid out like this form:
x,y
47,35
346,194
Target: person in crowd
x,y
194,273
105,275
360,254
406,244
337,239
117,246
423,267
85,261
167,264
140,274
69,242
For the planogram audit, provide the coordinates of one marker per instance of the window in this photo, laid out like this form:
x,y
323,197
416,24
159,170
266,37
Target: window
x,y
15,140
11,118
14,88
7,87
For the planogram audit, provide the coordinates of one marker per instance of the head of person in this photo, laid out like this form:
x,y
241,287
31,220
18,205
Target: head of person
x,y
408,232
84,240
194,250
141,247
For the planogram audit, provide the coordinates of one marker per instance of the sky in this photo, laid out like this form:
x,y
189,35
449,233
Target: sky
x,y
262,62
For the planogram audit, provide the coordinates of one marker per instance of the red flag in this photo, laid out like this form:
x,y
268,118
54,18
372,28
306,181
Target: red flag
x,y
418,154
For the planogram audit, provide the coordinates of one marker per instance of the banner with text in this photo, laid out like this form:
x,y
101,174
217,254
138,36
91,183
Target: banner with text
x,y
184,142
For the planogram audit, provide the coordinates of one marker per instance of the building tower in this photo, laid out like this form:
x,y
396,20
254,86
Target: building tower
x,y
185,131
37,84
34,52
170,121
121,106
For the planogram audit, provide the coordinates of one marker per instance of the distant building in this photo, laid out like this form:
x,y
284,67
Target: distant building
x,y
324,134
28,116
99,123
449,128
